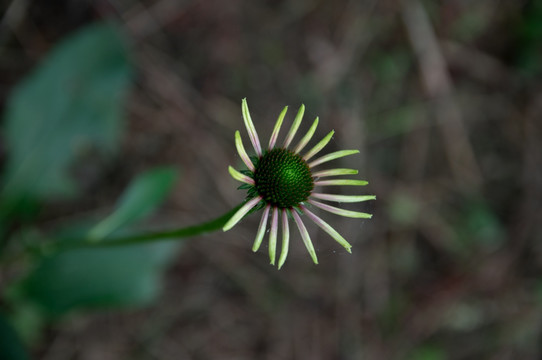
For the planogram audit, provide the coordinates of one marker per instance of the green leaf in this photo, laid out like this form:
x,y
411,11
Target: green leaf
x,y
477,225
142,196
98,277
529,36
11,347
71,103
428,352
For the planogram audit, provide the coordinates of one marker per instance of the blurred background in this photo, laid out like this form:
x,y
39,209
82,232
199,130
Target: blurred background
x,y
442,98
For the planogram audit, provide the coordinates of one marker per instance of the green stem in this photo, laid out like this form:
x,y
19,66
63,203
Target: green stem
x,y
189,231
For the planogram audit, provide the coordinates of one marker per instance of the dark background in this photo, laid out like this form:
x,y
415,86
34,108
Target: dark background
x,y
442,98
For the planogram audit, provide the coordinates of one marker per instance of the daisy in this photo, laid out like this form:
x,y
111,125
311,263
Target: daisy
x,y
281,180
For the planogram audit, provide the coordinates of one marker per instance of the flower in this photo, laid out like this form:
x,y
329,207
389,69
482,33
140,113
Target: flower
x,y
281,181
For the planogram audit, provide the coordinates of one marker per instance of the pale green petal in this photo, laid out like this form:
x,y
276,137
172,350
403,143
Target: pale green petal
x,y
278,124
339,211
250,128
307,137
285,238
327,228
319,146
341,182
240,177
295,126
241,151
273,236
305,236
241,213
261,229
343,198
332,156
334,172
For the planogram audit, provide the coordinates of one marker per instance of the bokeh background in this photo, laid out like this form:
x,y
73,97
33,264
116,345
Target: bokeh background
x,y
442,98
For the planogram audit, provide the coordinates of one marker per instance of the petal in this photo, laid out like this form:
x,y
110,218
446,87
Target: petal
x,y
242,153
241,213
339,211
278,124
250,128
305,236
261,229
307,137
341,182
332,156
273,235
240,177
295,126
343,198
327,228
334,172
285,238
319,146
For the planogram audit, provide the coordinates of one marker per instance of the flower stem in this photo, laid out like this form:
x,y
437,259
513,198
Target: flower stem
x,y
194,230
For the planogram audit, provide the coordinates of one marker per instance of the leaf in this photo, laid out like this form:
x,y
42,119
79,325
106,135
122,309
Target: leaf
x,y
110,276
141,197
428,352
476,224
98,277
70,103
11,347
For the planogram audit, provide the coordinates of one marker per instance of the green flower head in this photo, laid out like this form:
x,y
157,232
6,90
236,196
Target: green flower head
x,y
282,181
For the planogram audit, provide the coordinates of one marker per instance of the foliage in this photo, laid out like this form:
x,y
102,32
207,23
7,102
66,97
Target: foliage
x,y
70,105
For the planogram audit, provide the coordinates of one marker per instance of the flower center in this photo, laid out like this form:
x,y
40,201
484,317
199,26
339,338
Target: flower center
x,y
283,178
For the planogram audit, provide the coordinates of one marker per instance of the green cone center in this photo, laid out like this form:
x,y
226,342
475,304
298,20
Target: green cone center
x,y
283,178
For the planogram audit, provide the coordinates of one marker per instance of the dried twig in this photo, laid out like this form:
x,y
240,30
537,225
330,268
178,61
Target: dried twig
x,y
439,87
